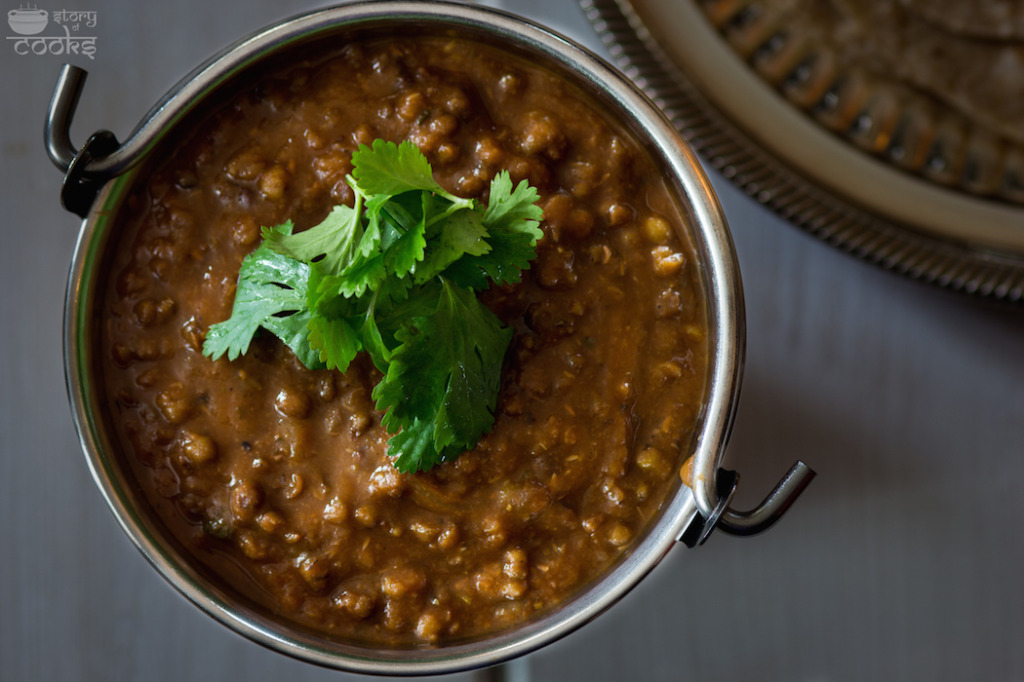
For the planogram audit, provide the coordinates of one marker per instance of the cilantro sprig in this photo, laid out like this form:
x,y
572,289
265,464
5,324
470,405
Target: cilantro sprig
x,y
396,275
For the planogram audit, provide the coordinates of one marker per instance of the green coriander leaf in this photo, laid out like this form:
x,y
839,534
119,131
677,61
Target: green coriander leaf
x,y
353,281
270,287
462,234
335,243
475,342
446,371
372,206
367,272
294,331
403,211
513,211
393,290
412,448
336,342
393,313
263,265
412,386
407,250
387,168
511,220
510,254
372,338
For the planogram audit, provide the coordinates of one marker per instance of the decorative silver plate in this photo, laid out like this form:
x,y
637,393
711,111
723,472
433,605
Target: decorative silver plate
x,y
909,184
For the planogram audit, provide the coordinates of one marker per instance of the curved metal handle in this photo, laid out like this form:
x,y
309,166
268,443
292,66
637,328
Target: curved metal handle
x,y
57,133
721,515
85,169
773,506
81,180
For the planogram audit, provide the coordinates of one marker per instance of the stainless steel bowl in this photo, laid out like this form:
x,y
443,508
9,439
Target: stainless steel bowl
x,y
96,183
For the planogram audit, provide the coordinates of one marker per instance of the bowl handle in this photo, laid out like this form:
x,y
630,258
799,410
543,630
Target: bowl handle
x,y
81,182
759,519
771,509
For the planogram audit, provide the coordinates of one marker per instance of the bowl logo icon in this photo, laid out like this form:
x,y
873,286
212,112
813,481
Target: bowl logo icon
x,y
27,21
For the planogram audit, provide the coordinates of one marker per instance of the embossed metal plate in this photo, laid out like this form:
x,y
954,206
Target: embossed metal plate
x,y
848,158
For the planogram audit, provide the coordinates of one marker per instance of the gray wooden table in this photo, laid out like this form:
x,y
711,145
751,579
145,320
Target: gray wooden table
x,y
904,560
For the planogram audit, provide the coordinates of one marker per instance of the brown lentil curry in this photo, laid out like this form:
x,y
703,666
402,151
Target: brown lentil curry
x,y
275,475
